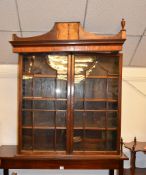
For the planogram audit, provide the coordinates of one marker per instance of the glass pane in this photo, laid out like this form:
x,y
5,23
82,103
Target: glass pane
x,y
44,87
94,146
112,91
112,119
27,118
80,105
90,119
60,139
112,140
78,119
27,87
90,105
95,119
44,118
112,105
91,65
61,119
104,65
82,65
59,63
27,139
95,88
50,87
37,64
78,140
48,105
61,105
44,105
44,139
95,105
92,135
61,88
79,89
50,65
39,104
27,104
89,140
94,140
91,88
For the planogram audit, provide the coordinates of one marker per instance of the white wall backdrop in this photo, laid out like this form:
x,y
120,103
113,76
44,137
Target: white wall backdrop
x,y
134,104
133,112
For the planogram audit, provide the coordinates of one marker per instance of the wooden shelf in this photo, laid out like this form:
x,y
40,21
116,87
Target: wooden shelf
x,y
96,99
76,110
48,151
43,127
94,140
115,76
41,75
98,110
43,110
45,98
75,128
65,99
100,76
76,99
95,128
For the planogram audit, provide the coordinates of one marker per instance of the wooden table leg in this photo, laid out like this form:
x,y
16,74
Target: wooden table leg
x,y
132,162
121,171
5,171
111,172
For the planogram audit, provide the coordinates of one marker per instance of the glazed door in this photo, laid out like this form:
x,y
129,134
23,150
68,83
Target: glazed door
x,y
70,103
96,103
43,119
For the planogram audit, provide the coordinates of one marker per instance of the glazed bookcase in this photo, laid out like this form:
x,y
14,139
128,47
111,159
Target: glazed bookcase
x,y
69,101
69,92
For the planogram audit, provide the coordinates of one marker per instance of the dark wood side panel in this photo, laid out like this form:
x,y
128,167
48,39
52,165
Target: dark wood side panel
x,y
20,102
119,99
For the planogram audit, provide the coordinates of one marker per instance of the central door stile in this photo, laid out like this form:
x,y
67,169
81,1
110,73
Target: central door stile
x,y
72,100
70,103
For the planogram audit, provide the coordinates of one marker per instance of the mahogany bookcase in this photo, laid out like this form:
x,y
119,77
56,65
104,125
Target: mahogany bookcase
x,y
69,101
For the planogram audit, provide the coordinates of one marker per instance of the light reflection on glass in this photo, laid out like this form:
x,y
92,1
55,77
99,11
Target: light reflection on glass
x,y
83,66
58,91
58,62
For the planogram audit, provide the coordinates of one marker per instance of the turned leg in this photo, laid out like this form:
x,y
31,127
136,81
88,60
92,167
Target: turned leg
x,y
121,171
5,171
132,162
111,172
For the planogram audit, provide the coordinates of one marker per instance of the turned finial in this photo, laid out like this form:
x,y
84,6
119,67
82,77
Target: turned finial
x,y
121,140
121,145
135,140
123,22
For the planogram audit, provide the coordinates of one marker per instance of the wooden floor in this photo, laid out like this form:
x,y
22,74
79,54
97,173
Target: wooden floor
x,y
138,171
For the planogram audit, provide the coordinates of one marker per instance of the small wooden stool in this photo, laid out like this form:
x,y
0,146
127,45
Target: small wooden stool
x,y
134,147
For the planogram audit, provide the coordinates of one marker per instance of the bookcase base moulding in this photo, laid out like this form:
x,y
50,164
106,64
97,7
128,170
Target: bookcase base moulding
x,y
69,101
10,160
